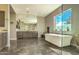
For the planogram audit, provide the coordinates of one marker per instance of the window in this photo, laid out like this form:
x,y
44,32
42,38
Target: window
x,y
63,21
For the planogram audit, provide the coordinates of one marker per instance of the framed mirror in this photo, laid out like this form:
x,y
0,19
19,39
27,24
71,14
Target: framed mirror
x,y
2,18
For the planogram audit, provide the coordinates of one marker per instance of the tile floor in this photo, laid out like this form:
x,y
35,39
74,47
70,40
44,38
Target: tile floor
x,y
34,46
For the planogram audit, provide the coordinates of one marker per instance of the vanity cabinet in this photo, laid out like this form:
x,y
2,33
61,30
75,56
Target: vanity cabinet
x,y
19,35
3,39
27,34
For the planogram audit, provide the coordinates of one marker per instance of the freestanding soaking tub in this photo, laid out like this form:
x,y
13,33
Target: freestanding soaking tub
x,y
58,39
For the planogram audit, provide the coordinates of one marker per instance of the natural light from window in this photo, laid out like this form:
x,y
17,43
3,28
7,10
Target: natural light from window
x,y
63,20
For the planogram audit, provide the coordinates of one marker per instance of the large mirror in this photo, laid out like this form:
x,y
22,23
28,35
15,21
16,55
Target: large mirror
x,y
2,18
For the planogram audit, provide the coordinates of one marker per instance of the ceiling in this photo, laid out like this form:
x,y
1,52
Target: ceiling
x,y
35,9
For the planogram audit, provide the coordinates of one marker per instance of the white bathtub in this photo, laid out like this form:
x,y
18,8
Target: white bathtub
x,y
58,39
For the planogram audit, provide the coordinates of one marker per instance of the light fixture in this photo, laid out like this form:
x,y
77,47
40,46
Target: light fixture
x,y
28,11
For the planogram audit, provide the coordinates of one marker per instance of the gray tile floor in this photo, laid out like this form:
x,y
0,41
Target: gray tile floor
x,y
34,46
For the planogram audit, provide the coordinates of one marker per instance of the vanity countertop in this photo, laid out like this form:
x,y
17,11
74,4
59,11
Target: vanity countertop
x,y
3,31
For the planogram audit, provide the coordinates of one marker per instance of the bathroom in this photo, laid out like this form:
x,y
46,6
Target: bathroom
x,y
41,32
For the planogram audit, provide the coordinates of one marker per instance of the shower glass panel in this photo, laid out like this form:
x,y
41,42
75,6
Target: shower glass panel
x,y
69,27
